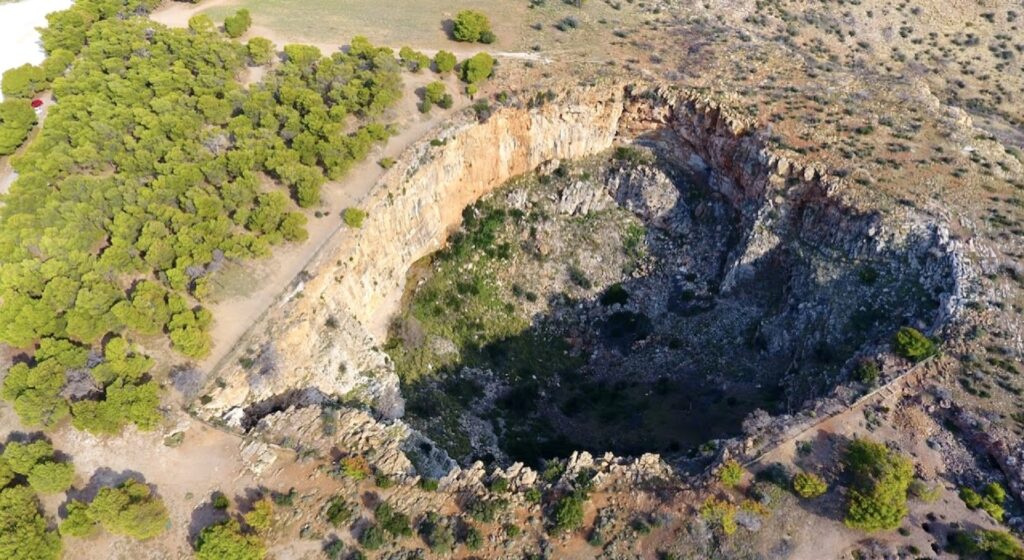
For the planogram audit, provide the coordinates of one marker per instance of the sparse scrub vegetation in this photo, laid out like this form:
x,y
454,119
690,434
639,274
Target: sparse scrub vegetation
x,y
990,499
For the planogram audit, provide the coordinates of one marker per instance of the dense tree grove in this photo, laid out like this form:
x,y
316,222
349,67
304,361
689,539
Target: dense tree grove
x,y
149,173
36,464
25,469
23,531
128,509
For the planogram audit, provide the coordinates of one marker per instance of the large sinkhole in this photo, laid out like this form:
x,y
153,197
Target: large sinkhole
x,y
639,301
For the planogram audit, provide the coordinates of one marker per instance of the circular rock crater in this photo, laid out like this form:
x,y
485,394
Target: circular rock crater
x,y
652,297
620,268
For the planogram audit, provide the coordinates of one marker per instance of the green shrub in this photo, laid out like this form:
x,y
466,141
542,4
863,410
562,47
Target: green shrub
x,y
428,484
499,485
477,68
16,121
226,540
413,60
6,474
867,372
730,473
994,492
913,345
284,499
24,534
986,544
809,485
473,539
261,516
470,26
484,510
568,513
373,537
51,477
353,217
261,51
24,81
23,457
990,500
219,501
444,61
720,514
237,24
922,491
127,509
394,522
877,498
339,511
200,24
434,92
440,536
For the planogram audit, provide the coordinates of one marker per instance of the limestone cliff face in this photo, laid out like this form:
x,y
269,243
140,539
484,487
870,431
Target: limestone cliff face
x,y
324,337
422,200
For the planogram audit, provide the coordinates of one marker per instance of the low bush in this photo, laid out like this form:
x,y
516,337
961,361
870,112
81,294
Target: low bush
x,y
472,26
16,121
394,522
237,24
990,500
353,217
339,511
720,514
913,345
986,544
809,485
731,473
881,477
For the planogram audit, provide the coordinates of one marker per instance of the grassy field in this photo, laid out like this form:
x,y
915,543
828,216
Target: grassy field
x,y
388,22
